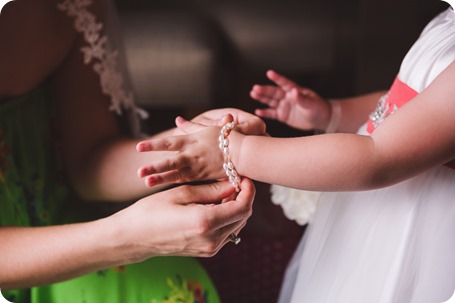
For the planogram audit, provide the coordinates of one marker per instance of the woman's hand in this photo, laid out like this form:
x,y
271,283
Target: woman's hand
x,y
184,221
247,123
291,104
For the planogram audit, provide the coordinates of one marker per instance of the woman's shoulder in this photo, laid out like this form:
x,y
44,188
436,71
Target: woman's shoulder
x,y
35,37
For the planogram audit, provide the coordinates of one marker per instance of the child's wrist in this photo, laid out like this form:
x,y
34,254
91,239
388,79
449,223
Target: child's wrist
x,y
335,117
224,142
236,139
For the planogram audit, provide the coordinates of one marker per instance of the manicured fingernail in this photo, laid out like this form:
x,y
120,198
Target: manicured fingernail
x,y
140,147
150,182
143,171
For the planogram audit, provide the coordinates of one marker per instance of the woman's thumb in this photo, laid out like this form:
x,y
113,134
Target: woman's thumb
x,y
186,126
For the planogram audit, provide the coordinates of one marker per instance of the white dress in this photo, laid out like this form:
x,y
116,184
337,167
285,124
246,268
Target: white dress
x,y
392,245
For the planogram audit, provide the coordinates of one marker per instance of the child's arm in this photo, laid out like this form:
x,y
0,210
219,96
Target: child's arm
x,y
302,108
417,137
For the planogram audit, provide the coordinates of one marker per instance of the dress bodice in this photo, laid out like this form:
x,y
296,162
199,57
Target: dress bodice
x,y
32,186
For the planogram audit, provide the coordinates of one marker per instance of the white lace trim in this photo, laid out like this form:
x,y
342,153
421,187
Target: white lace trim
x,y
105,60
298,205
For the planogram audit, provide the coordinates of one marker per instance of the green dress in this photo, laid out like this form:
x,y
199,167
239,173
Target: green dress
x,y
33,192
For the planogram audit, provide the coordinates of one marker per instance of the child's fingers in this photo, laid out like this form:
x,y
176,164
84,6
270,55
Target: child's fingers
x,y
177,162
267,92
269,113
281,81
162,144
265,100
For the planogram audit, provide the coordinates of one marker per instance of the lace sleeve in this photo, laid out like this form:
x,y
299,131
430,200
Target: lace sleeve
x,y
100,53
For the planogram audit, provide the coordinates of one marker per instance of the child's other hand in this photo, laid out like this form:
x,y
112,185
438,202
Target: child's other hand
x,y
196,158
291,104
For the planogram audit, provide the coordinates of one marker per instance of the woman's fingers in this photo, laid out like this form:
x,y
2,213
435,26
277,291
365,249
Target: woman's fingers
x,y
188,127
235,210
209,194
170,177
233,215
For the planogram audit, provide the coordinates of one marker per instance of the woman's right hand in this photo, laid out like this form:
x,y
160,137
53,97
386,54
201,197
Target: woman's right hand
x,y
184,221
291,104
248,124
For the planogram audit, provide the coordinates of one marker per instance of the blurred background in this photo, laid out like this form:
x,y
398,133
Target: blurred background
x,y
187,56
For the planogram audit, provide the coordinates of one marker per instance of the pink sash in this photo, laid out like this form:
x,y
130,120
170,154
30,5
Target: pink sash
x,y
399,94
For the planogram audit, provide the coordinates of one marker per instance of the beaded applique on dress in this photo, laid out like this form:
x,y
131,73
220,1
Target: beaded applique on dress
x,y
382,111
104,58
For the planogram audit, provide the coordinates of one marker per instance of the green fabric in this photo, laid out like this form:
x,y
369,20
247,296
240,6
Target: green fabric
x,y
158,280
31,187
33,192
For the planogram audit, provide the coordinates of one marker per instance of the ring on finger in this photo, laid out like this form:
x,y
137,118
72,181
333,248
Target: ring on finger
x,y
234,238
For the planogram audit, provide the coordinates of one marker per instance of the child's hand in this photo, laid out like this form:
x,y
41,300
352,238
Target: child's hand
x,y
289,103
197,156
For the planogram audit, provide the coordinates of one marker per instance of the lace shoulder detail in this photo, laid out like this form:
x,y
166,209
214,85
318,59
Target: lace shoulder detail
x,y
99,53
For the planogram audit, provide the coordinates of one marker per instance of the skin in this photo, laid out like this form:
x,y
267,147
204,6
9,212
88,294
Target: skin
x,y
101,164
304,109
414,139
192,226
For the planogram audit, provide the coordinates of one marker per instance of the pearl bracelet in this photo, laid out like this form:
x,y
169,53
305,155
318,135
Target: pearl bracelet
x,y
228,166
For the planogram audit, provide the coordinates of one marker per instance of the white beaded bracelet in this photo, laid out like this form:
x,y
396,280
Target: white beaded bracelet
x,y
335,117
223,143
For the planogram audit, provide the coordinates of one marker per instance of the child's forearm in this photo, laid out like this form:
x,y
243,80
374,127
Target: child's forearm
x,y
337,162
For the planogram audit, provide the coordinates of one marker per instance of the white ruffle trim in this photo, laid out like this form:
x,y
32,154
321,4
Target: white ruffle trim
x,y
298,205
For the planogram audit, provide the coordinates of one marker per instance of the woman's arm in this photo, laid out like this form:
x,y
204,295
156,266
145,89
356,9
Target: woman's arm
x,y
35,39
192,226
101,163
